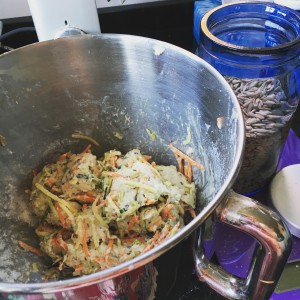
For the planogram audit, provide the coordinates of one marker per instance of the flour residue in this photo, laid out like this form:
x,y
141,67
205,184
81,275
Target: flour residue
x,y
158,49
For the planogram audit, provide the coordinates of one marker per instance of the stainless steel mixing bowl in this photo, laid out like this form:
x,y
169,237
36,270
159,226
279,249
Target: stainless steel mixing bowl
x,y
107,87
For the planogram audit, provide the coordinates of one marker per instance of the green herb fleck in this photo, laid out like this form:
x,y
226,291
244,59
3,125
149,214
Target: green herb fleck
x,y
122,210
47,211
118,135
152,134
84,176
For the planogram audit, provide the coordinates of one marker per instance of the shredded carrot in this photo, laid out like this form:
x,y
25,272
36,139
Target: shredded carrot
x,y
156,223
75,165
133,220
166,212
56,189
153,242
112,174
61,215
98,260
78,269
64,156
167,232
113,161
148,247
109,245
164,234
87,149
96,170
84,242
91,193
61,265
54,241
61,242
109,248
188,172
186,157
147,157
192,213
30,248
102,203
159,237
180,162
156,236
150,201
108,260
84,198
50,181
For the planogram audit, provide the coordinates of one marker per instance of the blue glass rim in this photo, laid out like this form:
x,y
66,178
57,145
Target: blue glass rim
x,y
288,46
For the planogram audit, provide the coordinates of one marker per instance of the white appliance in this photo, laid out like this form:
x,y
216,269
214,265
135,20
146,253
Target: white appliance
x,y
11,9
57,18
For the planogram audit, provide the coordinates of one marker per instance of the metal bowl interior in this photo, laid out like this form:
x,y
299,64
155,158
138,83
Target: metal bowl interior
x,y
107,86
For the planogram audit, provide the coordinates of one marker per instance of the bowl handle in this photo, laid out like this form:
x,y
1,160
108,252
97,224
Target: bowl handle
x,y
268,260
